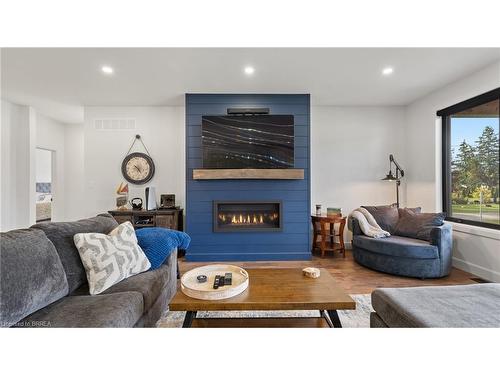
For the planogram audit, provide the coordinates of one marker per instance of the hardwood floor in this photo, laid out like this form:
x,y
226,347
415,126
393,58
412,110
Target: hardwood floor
x,y
354,278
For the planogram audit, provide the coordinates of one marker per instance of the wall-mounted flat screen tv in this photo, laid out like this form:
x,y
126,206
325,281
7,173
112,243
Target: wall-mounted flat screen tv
x,y
256,141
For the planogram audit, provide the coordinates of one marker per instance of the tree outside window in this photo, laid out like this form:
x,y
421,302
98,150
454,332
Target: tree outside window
x,y
473,168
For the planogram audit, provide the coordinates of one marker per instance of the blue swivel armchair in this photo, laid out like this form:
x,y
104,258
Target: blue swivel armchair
x,y
404,256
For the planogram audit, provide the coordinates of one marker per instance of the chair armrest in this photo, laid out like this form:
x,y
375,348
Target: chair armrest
x,y
353,225
442,237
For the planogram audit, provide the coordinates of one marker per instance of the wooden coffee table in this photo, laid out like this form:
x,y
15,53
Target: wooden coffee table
x,y
273,289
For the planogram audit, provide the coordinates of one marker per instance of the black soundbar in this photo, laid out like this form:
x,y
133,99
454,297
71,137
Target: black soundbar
x,y
248,111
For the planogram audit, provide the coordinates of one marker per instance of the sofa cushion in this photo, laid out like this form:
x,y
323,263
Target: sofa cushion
x,y
475,305
149,284
418,225
110,310
109,259
397,246
61,235
386,216
31,274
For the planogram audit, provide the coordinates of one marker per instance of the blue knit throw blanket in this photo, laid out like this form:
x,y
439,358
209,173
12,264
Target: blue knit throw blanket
x,y
158,243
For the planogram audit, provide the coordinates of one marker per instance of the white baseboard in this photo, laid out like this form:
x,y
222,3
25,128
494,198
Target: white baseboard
x,y
477,270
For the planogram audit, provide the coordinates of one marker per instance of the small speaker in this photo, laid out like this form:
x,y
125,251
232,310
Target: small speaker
x,y
248,111
151,198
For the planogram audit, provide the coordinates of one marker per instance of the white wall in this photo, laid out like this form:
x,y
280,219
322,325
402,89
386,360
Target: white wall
x,y
66,142
23,130
350,149
43,165
50,136
18,133
74,198
476,250
162,130
7,175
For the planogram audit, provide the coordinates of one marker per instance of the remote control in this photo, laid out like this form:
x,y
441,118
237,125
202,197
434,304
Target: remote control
x,y
216,282
221,281
228,278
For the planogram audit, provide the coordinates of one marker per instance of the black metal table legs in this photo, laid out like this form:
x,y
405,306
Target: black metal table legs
x,y
332,317
188,320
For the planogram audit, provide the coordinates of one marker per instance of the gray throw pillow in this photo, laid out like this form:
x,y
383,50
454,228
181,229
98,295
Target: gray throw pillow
x,y
418,225
385,216
415,210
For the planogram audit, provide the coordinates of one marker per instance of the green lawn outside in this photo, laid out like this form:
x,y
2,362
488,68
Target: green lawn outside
x,y
471,211
474,208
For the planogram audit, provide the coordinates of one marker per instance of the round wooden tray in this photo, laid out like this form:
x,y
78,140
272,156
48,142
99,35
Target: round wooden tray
x,y
192,288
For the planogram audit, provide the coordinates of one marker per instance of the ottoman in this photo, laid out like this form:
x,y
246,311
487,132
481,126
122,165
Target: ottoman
x,y
475,305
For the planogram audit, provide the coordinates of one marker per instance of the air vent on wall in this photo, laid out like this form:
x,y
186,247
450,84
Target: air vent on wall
x,y
114,124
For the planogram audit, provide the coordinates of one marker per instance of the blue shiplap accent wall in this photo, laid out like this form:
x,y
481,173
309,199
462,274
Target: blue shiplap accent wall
x,y
294,241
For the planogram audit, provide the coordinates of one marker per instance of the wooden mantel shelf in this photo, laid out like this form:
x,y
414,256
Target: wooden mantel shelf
x,y
242,174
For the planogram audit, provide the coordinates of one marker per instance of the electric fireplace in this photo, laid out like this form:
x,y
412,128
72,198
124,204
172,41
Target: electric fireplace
x,y
247,216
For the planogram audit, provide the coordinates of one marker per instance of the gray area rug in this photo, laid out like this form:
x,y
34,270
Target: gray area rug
x,y
359,318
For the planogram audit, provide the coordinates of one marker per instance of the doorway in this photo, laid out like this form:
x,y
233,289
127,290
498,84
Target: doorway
x,y
44,184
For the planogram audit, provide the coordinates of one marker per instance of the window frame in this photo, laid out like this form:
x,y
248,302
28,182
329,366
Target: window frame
x,y
446,152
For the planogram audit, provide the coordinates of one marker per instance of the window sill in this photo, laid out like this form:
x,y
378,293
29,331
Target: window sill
x,y
476,231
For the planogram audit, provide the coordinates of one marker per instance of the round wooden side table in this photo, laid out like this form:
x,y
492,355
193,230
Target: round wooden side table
x,y
324,227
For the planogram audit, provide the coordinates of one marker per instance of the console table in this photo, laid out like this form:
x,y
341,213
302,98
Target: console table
x,y
324,226
165,218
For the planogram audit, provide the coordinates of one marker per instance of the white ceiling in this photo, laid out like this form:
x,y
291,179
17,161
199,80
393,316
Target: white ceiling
x,y
60,81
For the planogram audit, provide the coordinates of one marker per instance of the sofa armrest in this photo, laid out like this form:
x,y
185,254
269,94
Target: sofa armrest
x,y
353,225
442,237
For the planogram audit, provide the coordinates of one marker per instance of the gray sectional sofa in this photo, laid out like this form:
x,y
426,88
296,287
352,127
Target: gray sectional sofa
x,y
43,282
401,255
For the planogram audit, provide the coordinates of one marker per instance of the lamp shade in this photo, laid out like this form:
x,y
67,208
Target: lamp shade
x,y
390,177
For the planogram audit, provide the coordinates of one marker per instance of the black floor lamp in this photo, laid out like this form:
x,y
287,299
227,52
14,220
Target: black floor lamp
x,y
390,177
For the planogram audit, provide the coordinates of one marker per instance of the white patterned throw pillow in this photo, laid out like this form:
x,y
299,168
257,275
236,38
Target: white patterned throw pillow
x,y
108,259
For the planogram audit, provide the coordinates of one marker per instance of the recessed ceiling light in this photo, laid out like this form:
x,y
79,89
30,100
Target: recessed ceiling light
x,y
249,70
106,69
388,71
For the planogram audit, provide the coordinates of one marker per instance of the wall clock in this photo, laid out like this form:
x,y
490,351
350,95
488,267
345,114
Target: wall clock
x,y
138,167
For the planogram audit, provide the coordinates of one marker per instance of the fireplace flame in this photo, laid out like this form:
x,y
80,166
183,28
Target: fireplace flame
x,y
242,219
